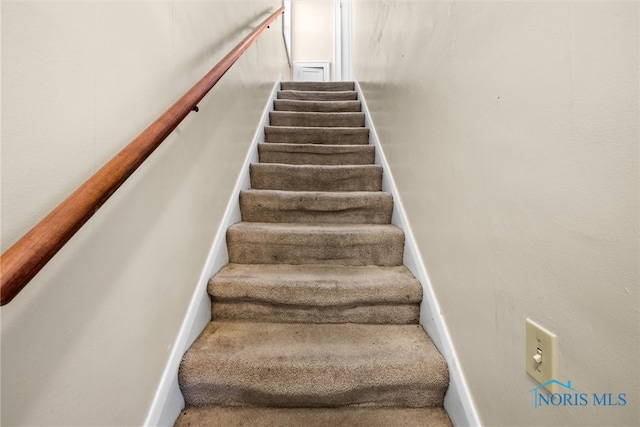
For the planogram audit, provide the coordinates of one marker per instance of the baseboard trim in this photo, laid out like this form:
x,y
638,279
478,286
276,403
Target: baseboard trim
x,y
168,401
458,401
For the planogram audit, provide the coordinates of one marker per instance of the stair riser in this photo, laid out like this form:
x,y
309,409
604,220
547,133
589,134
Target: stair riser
x,y
317,96
312,207
319,106
307,154
365,314
403,395
301,178
313,417
280,248
288,118
316,135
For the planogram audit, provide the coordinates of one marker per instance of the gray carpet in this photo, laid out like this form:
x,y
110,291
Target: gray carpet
x,y
315,319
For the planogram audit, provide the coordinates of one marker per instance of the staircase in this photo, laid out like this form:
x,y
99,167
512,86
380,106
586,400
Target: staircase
x,y
315,319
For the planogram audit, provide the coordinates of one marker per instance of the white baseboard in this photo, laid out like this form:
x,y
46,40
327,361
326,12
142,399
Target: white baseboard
x,y
168,401
458,401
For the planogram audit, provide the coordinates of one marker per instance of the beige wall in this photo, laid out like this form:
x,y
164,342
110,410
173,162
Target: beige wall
x,y
312,31
512,133
86,342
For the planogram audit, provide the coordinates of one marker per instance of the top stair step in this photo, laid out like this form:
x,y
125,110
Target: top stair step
x,y
318,86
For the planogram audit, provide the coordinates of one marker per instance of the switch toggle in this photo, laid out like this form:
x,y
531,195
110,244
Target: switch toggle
x,y
537,358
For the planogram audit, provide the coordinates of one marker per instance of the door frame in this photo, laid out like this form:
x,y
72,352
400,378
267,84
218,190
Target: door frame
x,y
342,38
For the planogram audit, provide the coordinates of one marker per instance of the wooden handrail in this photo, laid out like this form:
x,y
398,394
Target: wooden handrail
x,y
20,263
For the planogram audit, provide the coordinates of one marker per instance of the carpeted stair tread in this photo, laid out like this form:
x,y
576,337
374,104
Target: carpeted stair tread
x,y
341,244
313,417
317,106
315,284
316,154
318,86
315,294
313,365
303,95
274,176
313,119
358,207
316,135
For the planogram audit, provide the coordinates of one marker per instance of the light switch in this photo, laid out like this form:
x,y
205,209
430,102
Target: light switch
x,y
541,356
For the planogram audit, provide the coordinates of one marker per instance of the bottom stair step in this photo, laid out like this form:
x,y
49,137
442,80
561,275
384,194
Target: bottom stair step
x,y
313,417
313,365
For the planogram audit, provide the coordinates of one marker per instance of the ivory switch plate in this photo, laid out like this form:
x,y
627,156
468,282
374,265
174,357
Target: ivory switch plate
x,y
541,356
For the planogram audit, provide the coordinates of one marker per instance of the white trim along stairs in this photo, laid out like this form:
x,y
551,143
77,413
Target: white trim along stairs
x,y
318,290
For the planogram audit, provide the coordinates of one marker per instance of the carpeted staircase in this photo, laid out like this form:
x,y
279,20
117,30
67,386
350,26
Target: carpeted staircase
x,y
315,319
